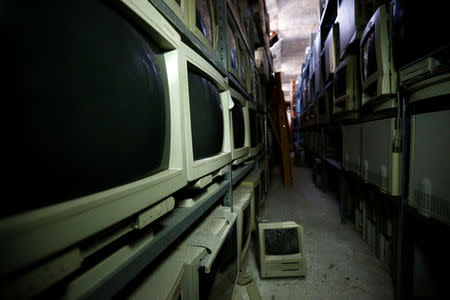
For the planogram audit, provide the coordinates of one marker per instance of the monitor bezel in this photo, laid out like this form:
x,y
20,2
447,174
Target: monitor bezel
x,y
243,151
192,20
199,168
83,217
351,97
179,10
385,77
239,206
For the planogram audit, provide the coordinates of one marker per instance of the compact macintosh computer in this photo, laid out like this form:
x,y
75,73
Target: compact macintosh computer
x,y
281,249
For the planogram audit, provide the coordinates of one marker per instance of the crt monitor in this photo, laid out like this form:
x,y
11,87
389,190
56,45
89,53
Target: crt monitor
x,y
331,47
346,86
233,49
260,129
202,22
240,128
254,128
353,16
101,141
281,249
378,73
242,195
434,42
217,273
207,125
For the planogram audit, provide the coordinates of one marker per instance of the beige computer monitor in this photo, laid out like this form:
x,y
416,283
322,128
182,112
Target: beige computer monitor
x,y
281,249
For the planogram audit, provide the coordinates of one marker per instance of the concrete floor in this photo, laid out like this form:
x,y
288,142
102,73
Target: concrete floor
x,y
340,265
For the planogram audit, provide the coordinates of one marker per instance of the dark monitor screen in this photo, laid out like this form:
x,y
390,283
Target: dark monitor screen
x,y
206,117
242,69
219,283
415,20
281,241
253,128
233,49
85,104
340,82
260,137
246,224
369,60
203,18
238,125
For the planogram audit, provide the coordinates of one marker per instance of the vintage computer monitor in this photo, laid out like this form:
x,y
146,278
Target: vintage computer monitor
x,y
242,196
416,61
324,105
346,87
381,156
253,180
353,16
260,135
233,49
351,148
255,146
281,249
206,118
217,273
378,73
201,21
245,71
179,8
97,149
429,163
331,48
240,128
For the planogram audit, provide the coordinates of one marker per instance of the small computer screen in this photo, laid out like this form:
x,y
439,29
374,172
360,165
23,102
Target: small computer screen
x,y
233,48
253,128
203,18
246,224
369,61
219,283
206,117
340,82
238,125
281,241
78,123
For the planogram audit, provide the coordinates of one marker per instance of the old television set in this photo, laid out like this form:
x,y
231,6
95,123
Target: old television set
x,y
202,22
417,61
331,55
353,16
381,156
207,125
429,191
218,269
281,249
378,73
240,128
254,129
104,143
351,148
233,50
346,86
179,8
242,206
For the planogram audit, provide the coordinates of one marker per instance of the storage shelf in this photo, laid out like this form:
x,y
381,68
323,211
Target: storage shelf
x,y
238,174
174,225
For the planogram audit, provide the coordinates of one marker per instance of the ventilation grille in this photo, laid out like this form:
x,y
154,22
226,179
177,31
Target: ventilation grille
x,y
432,204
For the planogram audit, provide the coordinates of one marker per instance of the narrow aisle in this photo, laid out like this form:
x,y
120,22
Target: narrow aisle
x,y
340,265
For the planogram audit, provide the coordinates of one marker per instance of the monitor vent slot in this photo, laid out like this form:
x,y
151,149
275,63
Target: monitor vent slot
x,y
431,204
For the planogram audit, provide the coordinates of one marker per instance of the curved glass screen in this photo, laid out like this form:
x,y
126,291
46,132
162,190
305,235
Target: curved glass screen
x,y
281,241
238,125
369,61
87,109
203,18
206,117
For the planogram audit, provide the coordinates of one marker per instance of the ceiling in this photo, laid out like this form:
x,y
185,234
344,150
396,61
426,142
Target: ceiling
x,y
294,20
